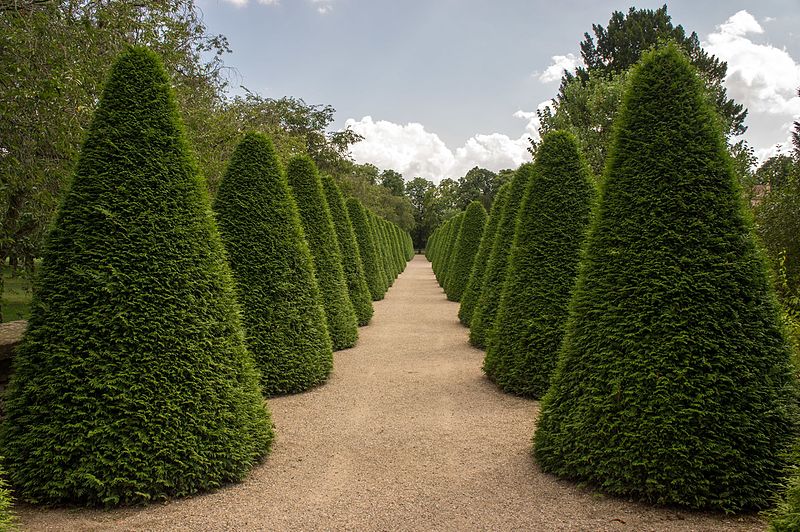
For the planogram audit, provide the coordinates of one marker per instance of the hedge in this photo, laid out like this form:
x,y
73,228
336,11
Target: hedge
x,y
366,246
351,257
673,383
486,309
318,226
133,382
452,240
465,249
543,265
472,291
283,315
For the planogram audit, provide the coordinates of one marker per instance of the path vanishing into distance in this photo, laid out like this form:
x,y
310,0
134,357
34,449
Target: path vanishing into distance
x,y
406,435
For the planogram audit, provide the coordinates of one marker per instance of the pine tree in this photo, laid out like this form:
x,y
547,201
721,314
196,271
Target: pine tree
x,y
543,265
673,381
473,289
486,309
366,246
452,240
351,257
133,382
283,315
317,222
466,248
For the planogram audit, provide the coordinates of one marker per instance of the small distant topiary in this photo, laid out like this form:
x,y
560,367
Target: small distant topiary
x,y
133,382
673,384
473,289
351,257
321,236
450,254
386,257
493,278
283,315
366,246
551,228
465,249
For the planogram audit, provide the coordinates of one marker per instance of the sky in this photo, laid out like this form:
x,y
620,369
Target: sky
x,y
439,86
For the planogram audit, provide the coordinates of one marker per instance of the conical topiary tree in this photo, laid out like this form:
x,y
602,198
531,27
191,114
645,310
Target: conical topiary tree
x,y
351,258
493,278
133,382
317,222
366,247
551,227
283,315
473,289
450,254
383,239
465,250
673,382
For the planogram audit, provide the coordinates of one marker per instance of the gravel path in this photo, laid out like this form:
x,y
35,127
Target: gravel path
x,y
406,435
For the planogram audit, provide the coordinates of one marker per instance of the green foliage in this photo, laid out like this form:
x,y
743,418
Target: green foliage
x,y
284,319
389,267
551,227
16,294
357,286
320,234
133,382
486,309
473,289
8,521
466,248
620,45
589,98
673,382
449,254
367,249
394,182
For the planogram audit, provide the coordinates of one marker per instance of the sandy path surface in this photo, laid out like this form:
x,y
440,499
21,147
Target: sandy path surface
x,y
406,435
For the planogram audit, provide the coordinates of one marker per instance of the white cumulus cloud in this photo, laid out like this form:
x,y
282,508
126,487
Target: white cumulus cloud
x,y
559,65
323,6
761,76
414,151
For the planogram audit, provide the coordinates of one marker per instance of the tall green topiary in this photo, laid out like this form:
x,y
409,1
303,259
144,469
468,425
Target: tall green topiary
x,y
473,289
351,257
133,382
673,382
466,248
551,227
493,278
321,236
450,254
283,315
366,246
383,240
441,242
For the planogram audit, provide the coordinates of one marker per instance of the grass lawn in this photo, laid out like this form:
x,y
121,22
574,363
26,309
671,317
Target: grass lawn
x,y
16,295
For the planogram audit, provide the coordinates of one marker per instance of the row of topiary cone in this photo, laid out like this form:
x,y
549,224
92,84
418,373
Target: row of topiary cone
x,y
156,325
643,315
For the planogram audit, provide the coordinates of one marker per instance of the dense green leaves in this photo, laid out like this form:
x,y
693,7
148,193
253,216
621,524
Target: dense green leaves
x,y
8,520
551,227
465,249
373,269
485,311
673,381
133,382
351,257
473,289
283,315
321,236
449,254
